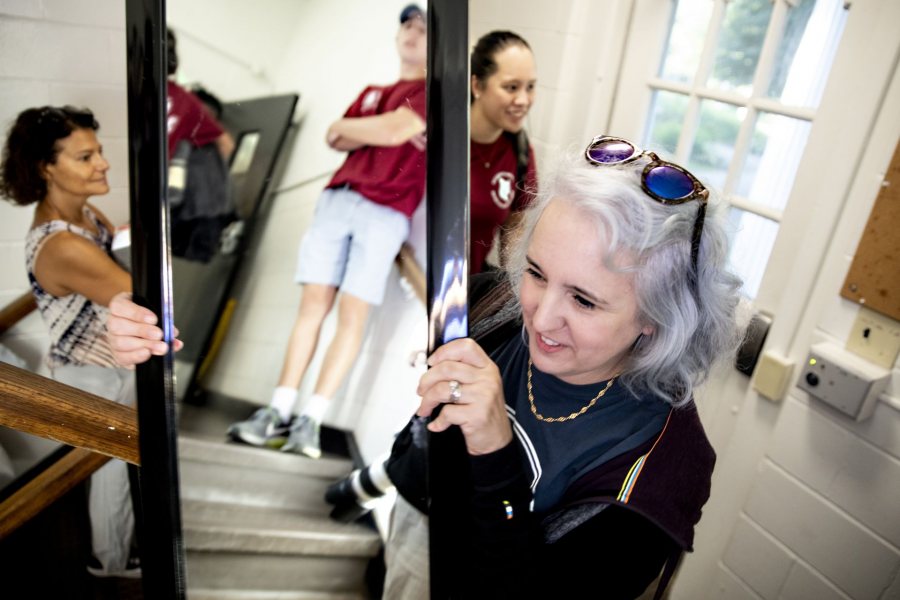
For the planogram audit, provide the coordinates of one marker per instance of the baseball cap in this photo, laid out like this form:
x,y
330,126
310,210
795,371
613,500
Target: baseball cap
x,y
411,10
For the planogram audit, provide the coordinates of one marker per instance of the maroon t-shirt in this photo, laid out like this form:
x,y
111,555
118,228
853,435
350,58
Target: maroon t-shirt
x,y
390,176
493,193
187,118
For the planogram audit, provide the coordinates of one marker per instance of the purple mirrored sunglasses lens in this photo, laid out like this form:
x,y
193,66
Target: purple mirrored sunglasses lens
x,y
669,183
611,151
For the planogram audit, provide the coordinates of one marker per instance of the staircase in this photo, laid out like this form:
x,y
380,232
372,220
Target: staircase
x,y
255,524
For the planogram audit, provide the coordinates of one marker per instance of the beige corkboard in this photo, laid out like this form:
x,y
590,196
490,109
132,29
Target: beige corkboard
x,y
874,276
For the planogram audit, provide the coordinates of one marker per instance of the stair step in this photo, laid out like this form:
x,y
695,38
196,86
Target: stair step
x,y
242,571
229,453
256,527
207,594
238,474
212,526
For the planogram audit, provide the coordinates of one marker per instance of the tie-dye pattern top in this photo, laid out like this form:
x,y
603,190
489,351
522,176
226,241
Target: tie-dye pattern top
x,y
77,325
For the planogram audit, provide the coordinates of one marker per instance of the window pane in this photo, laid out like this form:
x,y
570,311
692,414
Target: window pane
x,y
775,150
807,50
686,35
751,244
740,41
717,130
666,120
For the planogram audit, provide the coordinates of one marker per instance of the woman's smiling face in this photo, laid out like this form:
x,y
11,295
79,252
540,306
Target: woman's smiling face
x,y
79,169
581,317
507,95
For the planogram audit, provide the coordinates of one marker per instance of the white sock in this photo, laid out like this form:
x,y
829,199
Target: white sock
x,y
316,407
378,475
283,400
361,494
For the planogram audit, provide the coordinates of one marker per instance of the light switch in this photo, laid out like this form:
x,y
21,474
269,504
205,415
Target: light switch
x,y
773,374
875,338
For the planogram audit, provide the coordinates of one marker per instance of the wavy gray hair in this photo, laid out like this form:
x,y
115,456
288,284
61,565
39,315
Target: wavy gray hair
x,y
694,318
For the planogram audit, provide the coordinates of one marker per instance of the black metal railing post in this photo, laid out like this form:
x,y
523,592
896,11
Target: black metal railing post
x,y
447,193
160,536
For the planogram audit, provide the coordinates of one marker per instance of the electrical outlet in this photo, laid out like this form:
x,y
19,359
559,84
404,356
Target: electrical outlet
x,y
875,338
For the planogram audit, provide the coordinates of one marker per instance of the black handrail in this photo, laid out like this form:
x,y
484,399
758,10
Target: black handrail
x,y
160,536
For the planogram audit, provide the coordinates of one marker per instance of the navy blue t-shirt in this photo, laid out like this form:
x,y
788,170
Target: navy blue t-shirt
x,y
559,453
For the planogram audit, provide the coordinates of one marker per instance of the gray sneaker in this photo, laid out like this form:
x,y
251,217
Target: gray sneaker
x,y
264,428
304,438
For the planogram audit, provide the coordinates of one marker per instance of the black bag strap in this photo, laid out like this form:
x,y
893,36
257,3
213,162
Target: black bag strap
x,y
669,570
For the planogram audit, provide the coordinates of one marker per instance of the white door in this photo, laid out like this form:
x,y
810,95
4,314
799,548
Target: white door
x,y
771,102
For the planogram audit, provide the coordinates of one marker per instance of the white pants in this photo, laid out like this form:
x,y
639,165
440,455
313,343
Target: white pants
x,y
109,499
406,554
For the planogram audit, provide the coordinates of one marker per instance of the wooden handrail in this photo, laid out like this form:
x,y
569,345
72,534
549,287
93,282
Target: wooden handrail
x,y
15,311
56,411
411,271
51,484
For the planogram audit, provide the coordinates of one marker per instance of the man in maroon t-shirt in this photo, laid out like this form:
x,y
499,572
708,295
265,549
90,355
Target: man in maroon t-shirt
x,y
361,220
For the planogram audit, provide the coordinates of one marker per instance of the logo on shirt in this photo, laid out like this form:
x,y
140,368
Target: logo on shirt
x,y
370,101
503,189
171,120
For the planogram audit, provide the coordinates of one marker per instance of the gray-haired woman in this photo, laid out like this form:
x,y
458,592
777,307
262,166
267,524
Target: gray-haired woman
x,y
588,462
586,465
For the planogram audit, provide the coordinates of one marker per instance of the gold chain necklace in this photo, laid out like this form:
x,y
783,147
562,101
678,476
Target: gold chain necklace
x,y
574,415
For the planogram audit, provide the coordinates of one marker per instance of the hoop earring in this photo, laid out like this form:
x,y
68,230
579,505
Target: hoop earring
x,y
524,335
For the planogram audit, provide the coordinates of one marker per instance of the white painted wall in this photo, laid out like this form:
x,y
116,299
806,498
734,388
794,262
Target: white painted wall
x,y
232,47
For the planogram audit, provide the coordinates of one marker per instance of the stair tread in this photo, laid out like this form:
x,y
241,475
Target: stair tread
x,y
213,594
199,449
200,513
222,526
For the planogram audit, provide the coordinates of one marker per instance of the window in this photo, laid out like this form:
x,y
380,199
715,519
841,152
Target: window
x,y
733,99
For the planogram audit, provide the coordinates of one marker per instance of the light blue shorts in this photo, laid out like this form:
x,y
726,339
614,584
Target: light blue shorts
x,y
351,244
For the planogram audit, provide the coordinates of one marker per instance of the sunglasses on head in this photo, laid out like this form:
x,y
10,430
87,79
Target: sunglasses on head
x,y
665,182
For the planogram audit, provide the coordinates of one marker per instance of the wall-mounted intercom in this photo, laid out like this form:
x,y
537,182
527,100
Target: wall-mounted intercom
x,y
843,380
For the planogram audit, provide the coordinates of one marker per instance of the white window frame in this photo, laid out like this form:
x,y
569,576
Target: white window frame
x,y
650,22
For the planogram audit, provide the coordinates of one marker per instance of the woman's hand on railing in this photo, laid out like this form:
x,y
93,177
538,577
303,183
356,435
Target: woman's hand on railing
x,y
133,334
466,381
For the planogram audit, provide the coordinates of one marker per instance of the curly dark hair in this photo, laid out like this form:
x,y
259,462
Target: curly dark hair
x,y
32,143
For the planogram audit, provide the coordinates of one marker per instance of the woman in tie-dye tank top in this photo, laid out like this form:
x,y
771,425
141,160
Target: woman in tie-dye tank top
x,y
53,161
